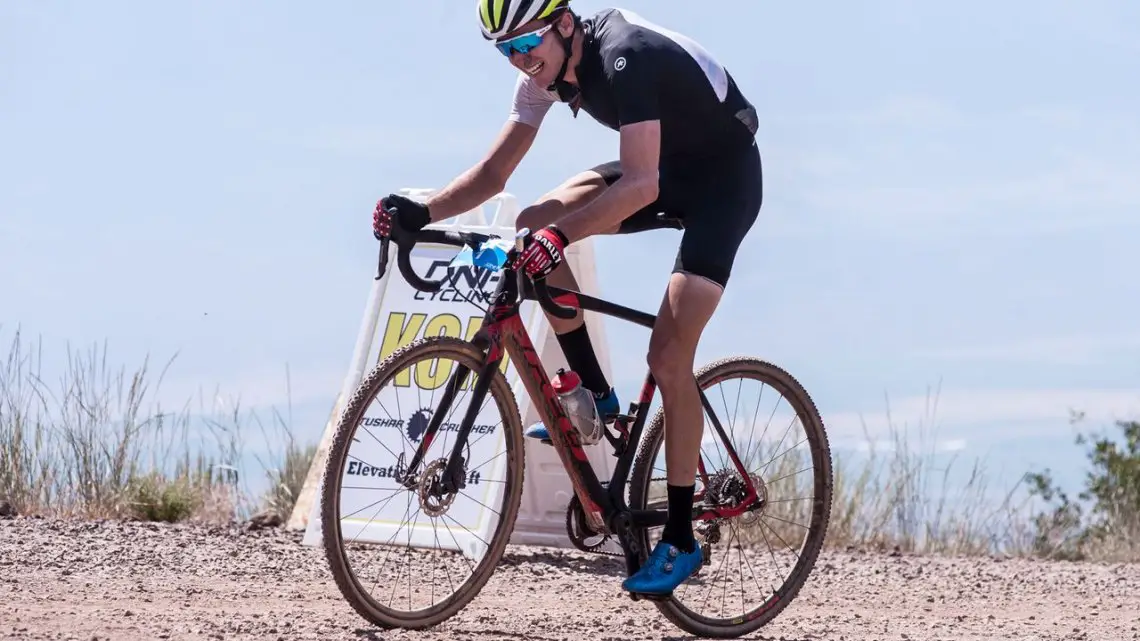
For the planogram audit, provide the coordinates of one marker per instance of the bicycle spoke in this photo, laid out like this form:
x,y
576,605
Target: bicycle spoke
x,y
777,448
409,568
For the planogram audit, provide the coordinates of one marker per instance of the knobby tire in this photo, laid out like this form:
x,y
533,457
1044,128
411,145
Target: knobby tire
x,y
642,473
421,350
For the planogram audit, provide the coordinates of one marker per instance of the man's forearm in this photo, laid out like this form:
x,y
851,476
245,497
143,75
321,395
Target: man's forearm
x,y
466,192
615,204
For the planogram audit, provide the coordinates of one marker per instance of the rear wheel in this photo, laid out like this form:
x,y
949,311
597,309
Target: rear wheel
x,y
434,537
746,582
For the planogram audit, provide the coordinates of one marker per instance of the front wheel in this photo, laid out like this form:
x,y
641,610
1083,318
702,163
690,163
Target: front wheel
x,y
757,561
433,537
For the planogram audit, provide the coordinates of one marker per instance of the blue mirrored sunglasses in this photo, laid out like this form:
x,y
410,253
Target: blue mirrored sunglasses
x,y
523,43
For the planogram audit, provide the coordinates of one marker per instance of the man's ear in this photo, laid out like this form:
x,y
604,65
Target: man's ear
x,y
566,24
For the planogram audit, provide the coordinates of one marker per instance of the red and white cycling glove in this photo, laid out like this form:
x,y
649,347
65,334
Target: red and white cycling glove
x,y
544,254
412,215
381,220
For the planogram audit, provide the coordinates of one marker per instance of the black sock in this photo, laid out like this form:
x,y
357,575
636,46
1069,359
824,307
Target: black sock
x,y
679,528
581,358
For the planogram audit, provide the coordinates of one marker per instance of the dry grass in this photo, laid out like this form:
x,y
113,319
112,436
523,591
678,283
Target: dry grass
x,y
287,481
906,493
885,502
900,498
98,445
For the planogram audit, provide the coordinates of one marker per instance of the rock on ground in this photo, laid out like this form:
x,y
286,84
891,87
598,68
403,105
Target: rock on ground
x,y
116,580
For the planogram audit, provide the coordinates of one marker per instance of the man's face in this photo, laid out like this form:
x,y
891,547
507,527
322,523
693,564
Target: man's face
x,y
543,53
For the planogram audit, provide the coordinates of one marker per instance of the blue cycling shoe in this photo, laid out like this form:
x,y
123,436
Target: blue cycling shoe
x,y
606,405
666,568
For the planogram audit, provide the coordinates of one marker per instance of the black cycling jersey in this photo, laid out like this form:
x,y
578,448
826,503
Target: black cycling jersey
x,y
710,181
632,71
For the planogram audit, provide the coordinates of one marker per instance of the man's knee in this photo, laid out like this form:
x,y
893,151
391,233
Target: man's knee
x,y
538,215
670,360
575,192
688,304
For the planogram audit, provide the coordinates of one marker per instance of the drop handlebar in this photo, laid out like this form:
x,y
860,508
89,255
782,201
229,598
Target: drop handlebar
x,y
406,240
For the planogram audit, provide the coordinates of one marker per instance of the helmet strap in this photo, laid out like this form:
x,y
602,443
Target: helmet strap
x,y
566,91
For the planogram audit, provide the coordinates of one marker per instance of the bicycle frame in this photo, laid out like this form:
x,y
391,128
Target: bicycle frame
x,y
503,331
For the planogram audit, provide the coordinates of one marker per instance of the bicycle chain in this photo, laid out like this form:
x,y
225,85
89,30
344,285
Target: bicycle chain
x,y
579,538
711,536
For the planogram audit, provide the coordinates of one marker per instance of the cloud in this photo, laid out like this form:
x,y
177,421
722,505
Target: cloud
x,y
262,387
917,165
382,141
892,112
1105,193
1103,24
1083,181
882,446
914,111
988,413
1076,349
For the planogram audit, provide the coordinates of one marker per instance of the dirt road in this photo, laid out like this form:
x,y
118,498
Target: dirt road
x,y
90,580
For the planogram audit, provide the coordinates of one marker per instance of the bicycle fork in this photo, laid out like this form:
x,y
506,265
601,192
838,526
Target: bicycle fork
x,y
454,477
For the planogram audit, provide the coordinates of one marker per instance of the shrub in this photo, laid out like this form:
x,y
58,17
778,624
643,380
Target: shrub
x,y
1106,526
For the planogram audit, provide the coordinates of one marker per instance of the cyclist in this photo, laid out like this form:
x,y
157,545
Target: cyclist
x,y
687,150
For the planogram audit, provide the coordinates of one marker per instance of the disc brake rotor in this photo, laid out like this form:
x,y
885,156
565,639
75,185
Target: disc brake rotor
x,y
726,488
753,515
433,501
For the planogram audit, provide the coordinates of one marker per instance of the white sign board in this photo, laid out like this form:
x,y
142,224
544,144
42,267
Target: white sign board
x,y
373,507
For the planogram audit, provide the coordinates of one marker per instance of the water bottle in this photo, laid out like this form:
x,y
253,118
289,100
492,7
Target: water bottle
x,y
579,405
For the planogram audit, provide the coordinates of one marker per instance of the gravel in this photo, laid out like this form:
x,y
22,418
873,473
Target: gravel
x,y
91,580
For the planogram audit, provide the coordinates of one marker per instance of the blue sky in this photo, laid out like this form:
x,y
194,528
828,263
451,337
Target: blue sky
x,y
950,196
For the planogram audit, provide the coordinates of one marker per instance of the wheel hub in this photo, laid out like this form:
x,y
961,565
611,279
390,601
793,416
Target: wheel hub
x,y
753,515
727,489
433,499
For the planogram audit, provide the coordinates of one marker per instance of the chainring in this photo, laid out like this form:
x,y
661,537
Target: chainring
x,y
579,533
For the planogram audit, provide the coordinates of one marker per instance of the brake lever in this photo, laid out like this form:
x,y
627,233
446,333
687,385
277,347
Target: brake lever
x,y
520,244
382,266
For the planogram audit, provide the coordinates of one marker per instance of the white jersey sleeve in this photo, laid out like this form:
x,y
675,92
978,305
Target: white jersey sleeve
x,y
531,102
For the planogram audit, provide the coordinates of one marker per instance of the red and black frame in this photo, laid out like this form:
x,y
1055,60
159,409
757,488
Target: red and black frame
x,y
502,332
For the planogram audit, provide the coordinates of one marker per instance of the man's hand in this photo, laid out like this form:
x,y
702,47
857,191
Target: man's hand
x,y
411,215
544,254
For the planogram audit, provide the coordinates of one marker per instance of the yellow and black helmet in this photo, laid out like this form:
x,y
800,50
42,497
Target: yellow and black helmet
x,y
500,17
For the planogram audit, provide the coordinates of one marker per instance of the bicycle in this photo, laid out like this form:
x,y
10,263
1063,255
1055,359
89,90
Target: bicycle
x,y
598,509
